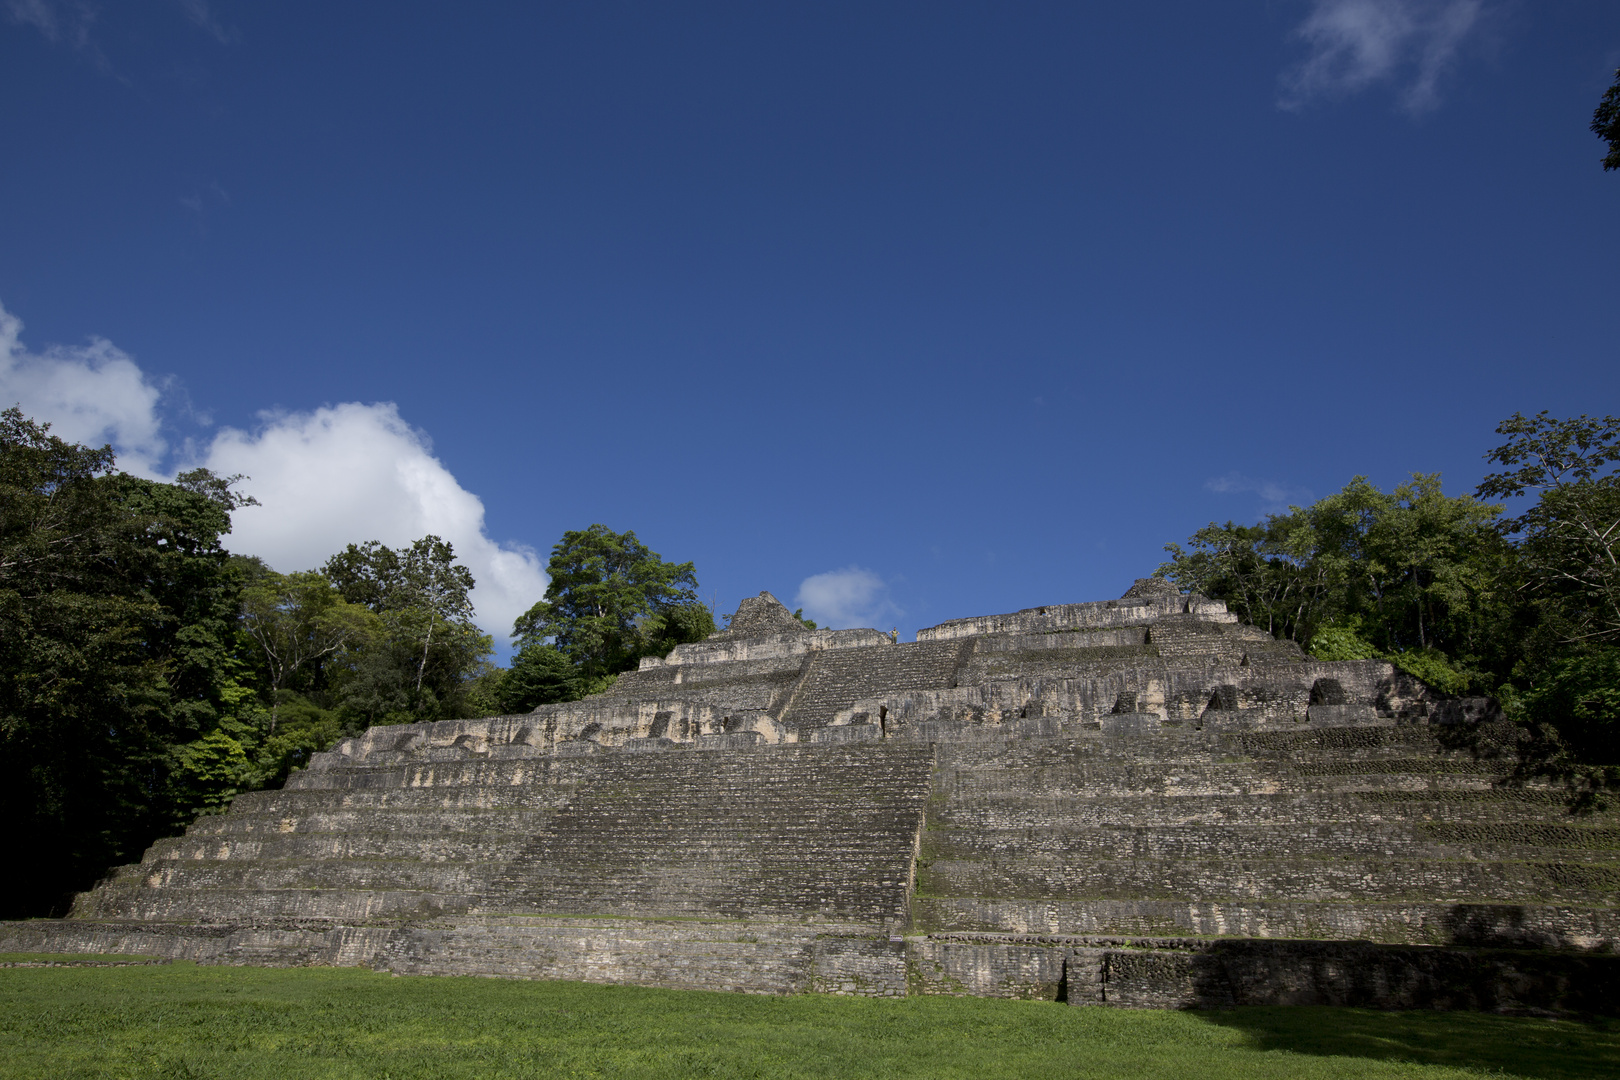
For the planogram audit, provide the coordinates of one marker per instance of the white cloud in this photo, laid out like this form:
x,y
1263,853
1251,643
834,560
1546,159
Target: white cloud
x,y
341,474
844,598
93,394
1356,44
349,473
1276,497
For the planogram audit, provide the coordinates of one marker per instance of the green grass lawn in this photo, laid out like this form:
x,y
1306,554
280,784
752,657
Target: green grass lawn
x,y
180,1021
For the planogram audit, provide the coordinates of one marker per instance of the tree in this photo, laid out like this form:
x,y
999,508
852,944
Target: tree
x,y
540,675
1578,697
116,609
1412,575
1606,123
297,620
1570,537
1420,569
611,601
427,649
1266,572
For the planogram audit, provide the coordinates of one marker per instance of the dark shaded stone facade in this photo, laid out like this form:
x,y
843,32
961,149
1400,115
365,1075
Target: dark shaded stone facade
x,y
1136,802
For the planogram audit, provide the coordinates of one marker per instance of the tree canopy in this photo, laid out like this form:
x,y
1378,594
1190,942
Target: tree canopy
x,y
298,620
1606,123
611,601
149,675
539,675
1570,536
425,646
116,624
1450,589
1411,572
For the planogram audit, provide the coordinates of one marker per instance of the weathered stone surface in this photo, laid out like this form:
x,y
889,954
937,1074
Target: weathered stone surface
x,y
759,616
1136,802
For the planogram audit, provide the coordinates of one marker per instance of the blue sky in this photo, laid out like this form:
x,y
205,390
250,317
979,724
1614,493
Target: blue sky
x,y
904,312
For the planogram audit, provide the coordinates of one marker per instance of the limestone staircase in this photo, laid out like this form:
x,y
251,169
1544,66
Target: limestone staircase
x,y
1132,802
1372,832
730,868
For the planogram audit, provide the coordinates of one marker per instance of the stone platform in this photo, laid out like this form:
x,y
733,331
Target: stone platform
x,y
1136,802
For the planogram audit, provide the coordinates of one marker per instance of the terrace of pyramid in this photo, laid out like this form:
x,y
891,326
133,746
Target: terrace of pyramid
x,y
1133,802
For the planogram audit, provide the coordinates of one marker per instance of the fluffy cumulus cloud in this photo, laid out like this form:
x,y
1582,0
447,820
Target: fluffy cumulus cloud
x,y
844,598
338,475
1356,44
91,394
348,473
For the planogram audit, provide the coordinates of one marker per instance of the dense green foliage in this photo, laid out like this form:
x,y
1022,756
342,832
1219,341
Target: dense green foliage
x,y
149,675
539,675
1570,536
183,1021
1448,588
117,607
424,645
1406,567
1411,573
611,601
1606,123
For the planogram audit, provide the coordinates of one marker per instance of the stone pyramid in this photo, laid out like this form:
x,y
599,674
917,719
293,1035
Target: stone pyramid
x,y
1128,802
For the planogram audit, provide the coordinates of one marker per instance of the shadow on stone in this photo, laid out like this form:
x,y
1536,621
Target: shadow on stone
x,y
1359,974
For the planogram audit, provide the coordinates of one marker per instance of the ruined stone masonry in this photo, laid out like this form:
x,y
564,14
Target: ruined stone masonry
x,y
1135,802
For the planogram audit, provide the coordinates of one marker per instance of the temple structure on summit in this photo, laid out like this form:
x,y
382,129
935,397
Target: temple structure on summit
x,y
1132,802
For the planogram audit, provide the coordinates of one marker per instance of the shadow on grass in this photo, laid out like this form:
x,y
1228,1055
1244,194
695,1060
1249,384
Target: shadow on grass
x,y
1517,1045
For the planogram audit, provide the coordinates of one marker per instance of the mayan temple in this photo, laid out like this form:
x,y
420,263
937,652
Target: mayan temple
x,y
1133,802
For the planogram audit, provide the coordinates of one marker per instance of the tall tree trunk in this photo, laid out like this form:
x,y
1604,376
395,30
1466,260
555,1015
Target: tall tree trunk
x,y
422,667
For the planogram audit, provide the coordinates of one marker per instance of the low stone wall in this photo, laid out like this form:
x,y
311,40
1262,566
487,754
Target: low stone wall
x,y
762,956
1202,974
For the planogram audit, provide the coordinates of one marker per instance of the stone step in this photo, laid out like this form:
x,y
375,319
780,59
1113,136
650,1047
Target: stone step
x,y
715,897
1088,761
703,833
425,821
1085,762
1520,925
560,769
879,787
1337,840
755,956
1578,883
1228,781
1187,743
248,906
675,955
1074,811
385,842
389,875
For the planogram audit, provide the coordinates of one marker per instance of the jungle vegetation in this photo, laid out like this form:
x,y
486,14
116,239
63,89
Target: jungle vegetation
x,y
1456,590
148,675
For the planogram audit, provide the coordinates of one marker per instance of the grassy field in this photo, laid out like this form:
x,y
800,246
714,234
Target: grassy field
x,y
180,1021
